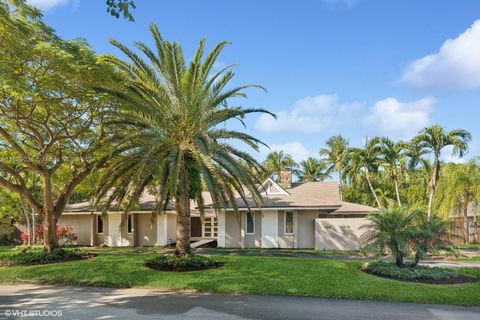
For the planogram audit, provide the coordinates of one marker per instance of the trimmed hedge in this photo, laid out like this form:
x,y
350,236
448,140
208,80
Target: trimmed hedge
x,y
170,262
28,255
416,274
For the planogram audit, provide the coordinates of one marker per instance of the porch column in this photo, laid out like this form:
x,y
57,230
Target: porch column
x,y
221,229
242,229
162,238
92,230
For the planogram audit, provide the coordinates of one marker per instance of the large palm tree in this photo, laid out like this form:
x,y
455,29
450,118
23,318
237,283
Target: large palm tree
x,y
278,161
393,159
433,140
365,162
335,154
312,170
175,138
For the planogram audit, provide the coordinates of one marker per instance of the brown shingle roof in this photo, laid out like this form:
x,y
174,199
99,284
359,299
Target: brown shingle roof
x,y
349,208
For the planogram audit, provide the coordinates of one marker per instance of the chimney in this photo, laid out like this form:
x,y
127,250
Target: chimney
x,y
285,179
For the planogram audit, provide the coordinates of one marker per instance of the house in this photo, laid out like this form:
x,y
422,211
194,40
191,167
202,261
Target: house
x,y
292,215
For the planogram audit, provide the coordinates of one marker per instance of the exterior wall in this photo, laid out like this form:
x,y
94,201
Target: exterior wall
x,y
339,234
81,225
305,228
117,236
233,236
253,240
285,240
100,238
221,229
171,228
145,229
269,230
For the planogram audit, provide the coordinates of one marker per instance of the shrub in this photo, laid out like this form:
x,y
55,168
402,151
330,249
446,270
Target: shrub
x,y
410,273
65,235
25,255
170,262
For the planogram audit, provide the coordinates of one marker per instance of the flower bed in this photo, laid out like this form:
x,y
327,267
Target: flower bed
x,y
415,274
30,255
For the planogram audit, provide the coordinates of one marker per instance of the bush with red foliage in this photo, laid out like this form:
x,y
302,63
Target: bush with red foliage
x,y
65,235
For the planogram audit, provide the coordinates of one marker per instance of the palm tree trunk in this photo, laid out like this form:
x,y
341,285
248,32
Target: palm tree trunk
x,y
397,192
373,190
465,218
340,183
432,189
183,217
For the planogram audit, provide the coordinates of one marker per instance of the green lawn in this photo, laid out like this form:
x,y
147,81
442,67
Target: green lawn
x,y
302,251
253,275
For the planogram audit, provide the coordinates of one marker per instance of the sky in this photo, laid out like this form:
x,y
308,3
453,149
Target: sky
x,y
361,68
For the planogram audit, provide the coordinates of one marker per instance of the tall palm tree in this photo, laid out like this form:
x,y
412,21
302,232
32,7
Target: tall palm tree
x,y
277,161
365,162
393,158
173,114
433,140
335,154
312,170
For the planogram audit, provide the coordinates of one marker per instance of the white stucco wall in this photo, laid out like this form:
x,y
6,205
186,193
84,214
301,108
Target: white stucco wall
x,y
339,233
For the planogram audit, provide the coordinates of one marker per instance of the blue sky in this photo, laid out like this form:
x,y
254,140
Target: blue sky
x,y
356,67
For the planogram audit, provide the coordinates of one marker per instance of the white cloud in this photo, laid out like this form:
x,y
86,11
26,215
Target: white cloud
x,y
398,119
296,149
48,4
447,156
455,66
309,115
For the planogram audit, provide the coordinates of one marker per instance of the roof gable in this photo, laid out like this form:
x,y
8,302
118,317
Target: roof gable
x,y
270,187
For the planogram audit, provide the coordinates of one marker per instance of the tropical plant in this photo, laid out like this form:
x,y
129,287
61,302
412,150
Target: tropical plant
x,y
364,162
459,187
335,154
312,170
393,159
433,140
278,161
175,139
390,228
427,236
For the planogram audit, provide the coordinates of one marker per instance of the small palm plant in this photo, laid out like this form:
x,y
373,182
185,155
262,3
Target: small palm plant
x,y
175,138
390,229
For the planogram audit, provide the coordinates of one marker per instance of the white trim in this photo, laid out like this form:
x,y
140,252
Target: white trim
x,y
103,224
285,223
246,222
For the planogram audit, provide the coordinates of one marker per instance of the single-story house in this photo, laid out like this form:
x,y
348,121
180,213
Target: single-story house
x,y
292,215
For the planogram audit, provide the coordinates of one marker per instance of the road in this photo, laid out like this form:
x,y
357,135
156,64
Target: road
x,y
139,304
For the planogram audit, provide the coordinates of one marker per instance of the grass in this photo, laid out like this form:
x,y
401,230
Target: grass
x,y
300,251
248,275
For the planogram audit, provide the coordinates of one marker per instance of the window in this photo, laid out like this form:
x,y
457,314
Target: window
x,y
129,224
250,222
289,222
99,223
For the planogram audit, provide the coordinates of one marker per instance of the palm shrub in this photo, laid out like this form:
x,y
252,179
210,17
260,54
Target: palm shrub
x,y
175,135
390,229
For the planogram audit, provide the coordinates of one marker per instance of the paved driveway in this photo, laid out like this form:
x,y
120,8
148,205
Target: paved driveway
x,y
135,304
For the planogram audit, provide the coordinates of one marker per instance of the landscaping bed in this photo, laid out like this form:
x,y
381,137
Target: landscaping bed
x,y
424,274
170,262
32,255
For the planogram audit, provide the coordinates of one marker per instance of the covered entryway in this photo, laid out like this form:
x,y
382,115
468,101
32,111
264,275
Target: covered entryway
x,y
208,229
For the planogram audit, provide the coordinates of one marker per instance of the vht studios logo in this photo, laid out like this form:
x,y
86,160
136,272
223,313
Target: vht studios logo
x,y
33,313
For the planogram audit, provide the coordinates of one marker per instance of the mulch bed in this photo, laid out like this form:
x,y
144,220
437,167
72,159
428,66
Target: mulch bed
x,y
453,280
72,258
164,267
